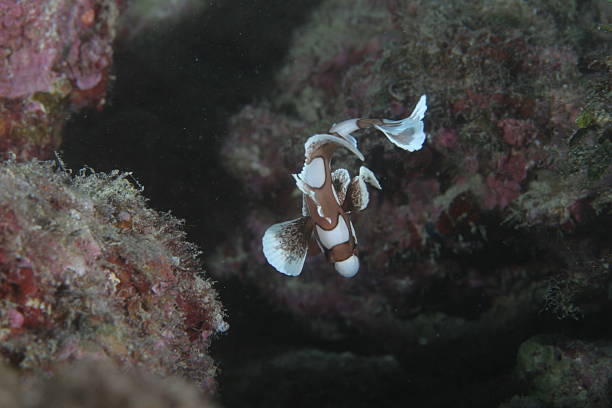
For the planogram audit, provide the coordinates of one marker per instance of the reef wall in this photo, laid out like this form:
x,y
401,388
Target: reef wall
x,y
91,277
489,234
56,58
88,270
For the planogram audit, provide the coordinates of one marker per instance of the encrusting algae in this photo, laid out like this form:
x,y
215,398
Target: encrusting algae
x,y
86,269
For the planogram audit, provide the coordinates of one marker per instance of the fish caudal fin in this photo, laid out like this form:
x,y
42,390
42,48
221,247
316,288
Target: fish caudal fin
x,y
407,133
285,245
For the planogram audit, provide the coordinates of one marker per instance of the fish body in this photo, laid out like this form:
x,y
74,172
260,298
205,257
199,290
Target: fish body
x,y
332,227
329,197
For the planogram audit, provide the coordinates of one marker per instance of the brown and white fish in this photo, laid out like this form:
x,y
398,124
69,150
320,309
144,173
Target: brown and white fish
x,y
330,197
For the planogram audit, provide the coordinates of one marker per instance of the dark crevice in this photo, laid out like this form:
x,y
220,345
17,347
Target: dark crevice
x,y
167,114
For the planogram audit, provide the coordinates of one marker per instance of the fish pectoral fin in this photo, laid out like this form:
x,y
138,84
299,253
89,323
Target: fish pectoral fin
x,y
358,195
285,245
368,176
340,183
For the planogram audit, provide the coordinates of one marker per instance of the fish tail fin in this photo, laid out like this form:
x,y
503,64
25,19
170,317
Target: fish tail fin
x,y
407,133
285,245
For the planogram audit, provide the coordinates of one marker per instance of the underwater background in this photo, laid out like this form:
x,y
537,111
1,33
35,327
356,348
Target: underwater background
x,y
147,145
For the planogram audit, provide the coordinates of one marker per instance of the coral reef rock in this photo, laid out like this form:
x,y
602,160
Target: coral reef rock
x,y
559,372
87,269
55,57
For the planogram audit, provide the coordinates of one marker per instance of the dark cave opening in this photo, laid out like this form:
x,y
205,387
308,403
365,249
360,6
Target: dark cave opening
x,y
175,89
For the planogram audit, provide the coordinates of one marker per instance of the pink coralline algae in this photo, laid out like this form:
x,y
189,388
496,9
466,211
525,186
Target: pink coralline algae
x,y
439,242
87,270
329,74
55,56
446,138
504,186
517,132
500,192
45,43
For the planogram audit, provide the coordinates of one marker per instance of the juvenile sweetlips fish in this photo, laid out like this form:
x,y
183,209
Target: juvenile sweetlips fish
x,y
330,197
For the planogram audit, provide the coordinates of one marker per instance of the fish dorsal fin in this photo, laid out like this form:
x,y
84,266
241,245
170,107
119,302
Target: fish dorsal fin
x,y
358,195
340,182
305,212
368,176
313,172
317,141
345,128
285,245
308,191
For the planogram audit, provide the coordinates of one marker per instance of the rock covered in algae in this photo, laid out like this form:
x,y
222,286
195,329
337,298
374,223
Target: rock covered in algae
x,y
561,372
55,56
87,269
